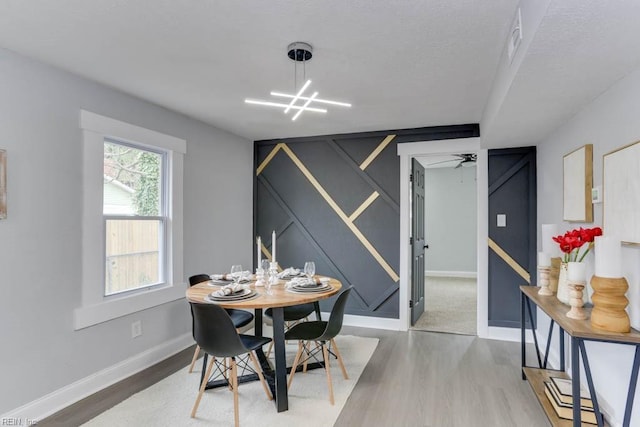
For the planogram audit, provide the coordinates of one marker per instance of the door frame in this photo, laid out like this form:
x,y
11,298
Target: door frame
x,y
408,151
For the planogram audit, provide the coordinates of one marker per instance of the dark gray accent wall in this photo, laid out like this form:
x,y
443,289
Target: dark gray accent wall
x,y
311,228
512,191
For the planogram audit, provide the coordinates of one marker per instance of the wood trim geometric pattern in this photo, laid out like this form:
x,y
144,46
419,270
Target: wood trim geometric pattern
x,y
331,202
510,261
335,199
375,153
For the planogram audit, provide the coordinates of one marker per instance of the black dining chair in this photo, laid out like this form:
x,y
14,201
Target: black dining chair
x,y
239,318
292,315
323,333
217,336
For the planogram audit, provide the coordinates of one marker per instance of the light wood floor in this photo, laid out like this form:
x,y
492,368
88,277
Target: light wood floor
x,y
415,378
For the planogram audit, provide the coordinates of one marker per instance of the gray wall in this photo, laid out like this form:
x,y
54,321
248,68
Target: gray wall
x,y
609,122
450,214
40,242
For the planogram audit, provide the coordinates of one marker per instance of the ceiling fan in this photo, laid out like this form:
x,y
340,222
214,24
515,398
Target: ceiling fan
x,y
467,159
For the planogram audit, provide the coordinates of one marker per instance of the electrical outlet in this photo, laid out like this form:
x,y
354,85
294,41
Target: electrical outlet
x,y
136,329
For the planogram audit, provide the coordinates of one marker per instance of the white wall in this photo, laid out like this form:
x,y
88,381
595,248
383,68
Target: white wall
x,y
609,122
40,241
450,215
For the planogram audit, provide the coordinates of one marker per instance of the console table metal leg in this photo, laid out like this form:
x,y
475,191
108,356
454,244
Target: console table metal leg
x,y
632,388
546,351
533,332
575,380
592,390
561,342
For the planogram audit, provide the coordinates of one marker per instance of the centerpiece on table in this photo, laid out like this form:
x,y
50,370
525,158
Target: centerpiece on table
x,y
572,244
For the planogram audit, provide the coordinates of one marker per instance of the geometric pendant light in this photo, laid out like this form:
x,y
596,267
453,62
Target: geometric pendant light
x,y
299,52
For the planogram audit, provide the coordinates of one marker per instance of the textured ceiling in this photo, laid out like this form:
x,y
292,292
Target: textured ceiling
x,y
579,50
401,63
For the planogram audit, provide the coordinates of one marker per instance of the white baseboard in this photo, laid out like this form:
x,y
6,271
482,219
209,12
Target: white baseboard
x,y
368,322
507,334
463,274
70,394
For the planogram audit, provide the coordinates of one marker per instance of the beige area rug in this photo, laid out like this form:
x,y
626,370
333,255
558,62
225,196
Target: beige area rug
x,y
169,402
450,306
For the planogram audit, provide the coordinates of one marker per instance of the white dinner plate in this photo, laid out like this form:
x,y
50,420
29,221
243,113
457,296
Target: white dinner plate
x,y
245,293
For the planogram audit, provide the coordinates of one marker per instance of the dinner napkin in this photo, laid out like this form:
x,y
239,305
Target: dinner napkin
x,y
245,276
289,272
304,282
229,290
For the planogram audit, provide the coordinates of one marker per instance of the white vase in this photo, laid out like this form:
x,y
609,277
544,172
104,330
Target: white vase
x,y
563,286
563,289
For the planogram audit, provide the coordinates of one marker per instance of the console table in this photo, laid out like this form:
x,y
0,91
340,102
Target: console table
x,y
579,331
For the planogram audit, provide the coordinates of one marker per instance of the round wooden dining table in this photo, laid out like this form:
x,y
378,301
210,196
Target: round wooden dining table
x,y
277,298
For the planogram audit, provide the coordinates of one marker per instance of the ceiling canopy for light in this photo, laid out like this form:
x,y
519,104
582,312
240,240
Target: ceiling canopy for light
x,y
300,101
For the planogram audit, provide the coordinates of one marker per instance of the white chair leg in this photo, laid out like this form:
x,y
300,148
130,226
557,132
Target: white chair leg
x,y
205,379
195,357
340,361
325,353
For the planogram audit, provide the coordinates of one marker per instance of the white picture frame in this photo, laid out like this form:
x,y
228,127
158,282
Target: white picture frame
x,y
577,168
621,193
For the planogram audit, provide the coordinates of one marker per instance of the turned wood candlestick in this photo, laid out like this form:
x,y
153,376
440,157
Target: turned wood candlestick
x,y
575,300
609,303
544,281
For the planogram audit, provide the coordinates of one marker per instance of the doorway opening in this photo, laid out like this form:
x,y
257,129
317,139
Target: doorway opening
x,y
476,272
450,259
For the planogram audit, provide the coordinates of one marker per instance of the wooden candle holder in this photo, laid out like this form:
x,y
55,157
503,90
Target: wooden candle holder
x,y
609,303
554,273
575,300
544,281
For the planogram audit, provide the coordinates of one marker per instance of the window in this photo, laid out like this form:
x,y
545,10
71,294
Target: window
x,y
135,217
132,219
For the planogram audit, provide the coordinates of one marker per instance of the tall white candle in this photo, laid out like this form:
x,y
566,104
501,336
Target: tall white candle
x,y
544,260
259,252
608,257
577,272
548,245
273,246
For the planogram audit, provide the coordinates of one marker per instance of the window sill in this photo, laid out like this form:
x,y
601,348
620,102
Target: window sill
x,y
90,315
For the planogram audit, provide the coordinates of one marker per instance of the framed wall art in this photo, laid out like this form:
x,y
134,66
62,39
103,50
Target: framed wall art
x,y
621,193
3,184
577,170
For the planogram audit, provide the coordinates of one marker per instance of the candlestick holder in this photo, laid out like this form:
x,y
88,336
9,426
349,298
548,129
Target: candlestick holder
x,y
609,303
273,275
544,272
575,300
260,277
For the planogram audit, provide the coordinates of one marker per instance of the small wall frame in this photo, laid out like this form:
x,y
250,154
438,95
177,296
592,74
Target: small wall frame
x,y
577,184
621,191
3,184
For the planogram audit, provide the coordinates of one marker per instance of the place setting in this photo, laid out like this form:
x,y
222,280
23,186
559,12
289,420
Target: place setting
x,y
233,286
243,276
307,283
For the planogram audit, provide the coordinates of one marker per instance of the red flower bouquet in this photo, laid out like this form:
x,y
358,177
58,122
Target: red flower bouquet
x,y
571,242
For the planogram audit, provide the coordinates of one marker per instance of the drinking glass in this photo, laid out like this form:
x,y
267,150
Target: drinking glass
x,y
310,269
236,272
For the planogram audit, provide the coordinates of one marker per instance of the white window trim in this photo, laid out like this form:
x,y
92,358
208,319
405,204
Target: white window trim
x,y
95,308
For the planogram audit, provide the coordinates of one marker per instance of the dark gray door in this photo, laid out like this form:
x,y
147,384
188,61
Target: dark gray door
x,y
417,240
512,231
